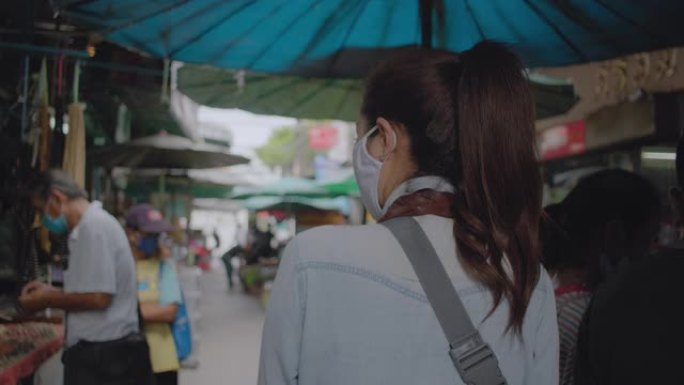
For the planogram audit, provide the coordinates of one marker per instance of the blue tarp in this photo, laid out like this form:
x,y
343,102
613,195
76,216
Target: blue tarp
x,y
330,37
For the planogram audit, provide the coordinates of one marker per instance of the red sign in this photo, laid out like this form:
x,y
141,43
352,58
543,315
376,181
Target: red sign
x,y
322,138
561,141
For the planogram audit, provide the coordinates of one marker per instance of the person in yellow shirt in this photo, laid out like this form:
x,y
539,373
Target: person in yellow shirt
x,y
159,291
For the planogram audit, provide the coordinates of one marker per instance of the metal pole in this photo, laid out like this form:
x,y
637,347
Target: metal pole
x,y
162,186
77,79
188,210
425,8
24,106
165,81
37,49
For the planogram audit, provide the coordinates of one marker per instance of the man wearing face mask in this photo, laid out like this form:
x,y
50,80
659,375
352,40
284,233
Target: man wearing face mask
x,y
103,340
158,288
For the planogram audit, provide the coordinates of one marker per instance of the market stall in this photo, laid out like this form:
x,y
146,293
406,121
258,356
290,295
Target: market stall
x,y
274,221
24,347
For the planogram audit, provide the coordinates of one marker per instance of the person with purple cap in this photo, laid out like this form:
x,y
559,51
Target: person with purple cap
x,y
159,291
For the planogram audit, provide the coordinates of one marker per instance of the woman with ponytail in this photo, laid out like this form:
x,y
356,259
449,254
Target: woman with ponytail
x,y
448,140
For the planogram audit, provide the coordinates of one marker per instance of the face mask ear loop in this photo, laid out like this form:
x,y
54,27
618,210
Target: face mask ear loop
x,y
394,147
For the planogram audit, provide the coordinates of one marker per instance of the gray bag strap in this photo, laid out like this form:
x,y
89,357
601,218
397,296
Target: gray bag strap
x,y
472,357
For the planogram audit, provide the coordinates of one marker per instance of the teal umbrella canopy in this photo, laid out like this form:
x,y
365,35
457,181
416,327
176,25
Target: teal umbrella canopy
x,y
341,38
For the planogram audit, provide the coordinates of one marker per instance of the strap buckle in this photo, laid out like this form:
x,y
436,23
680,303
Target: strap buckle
x,y
476,362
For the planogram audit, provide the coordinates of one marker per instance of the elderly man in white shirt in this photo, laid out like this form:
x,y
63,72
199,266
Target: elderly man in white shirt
x,y
103,339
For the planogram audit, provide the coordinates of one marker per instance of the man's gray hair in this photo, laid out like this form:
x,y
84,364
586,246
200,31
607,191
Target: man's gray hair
x,y
58,180
64,183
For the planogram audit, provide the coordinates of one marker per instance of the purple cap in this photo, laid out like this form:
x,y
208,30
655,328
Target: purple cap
x,y
147,219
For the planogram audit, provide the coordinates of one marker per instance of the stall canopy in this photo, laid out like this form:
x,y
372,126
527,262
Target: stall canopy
x,y
347,186
335,37
284,187
296,203
143,187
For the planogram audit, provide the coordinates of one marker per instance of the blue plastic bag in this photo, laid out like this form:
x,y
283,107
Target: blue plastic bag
x,y
182,335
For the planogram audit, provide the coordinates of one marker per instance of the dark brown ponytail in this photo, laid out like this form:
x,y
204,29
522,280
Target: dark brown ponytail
x,y
499,215
470,118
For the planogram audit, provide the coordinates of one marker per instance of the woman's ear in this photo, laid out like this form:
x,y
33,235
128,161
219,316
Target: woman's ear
x,y
388,137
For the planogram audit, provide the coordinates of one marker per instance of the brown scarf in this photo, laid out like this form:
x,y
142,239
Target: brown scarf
x,y
422,202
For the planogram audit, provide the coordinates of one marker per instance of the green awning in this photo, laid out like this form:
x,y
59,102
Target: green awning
x,y
347,186
142,188
283,187
299,97
314,98
296,204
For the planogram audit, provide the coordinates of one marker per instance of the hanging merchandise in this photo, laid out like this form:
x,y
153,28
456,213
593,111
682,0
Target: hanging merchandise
x,y
41,130
24,97
58,134
74,161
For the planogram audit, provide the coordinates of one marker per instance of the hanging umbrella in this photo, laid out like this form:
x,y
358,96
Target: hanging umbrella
x,y
315,98
331,38
163,151
289,187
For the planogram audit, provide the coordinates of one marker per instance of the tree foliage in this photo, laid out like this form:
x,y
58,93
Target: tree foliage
x,y
281,148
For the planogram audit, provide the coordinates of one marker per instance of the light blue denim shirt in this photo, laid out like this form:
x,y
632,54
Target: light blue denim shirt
x,y
347,308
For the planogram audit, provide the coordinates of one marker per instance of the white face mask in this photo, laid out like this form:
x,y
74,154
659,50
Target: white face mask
x,y
367,172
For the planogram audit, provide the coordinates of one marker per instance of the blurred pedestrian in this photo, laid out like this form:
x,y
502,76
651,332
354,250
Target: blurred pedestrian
x,y
632,333
262,246
237,251
609,218
103,340
159,291
447,148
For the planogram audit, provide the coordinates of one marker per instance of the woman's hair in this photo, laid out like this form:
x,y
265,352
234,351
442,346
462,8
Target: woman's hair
x,y
470,118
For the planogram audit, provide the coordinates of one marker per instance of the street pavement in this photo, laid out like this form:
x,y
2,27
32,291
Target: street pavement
x,y
230,335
